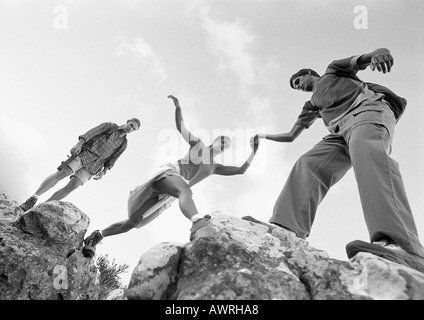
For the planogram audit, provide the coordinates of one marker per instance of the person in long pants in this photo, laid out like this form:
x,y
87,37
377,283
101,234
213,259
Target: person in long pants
x,y
361,122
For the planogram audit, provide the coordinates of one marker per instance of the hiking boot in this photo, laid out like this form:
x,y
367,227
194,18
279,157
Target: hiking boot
x,y
200,223
31,201
90,244
387,250
390,245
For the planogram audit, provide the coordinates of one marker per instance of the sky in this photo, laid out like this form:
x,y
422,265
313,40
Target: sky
x,y
67,66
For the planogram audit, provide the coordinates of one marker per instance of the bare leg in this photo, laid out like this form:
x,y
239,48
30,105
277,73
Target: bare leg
x,y
128,224
52,180
171,185
66,190
176,187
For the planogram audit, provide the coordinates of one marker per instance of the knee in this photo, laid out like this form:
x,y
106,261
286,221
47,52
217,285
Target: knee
x,y
365,147
186,192
305,162
74,183
130,224
63,173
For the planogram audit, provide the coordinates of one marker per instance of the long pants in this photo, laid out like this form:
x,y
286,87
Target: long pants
x,y
362,141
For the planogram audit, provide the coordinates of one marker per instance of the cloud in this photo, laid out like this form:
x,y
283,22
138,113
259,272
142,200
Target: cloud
x,y
19,143
234,44
231,42
139,49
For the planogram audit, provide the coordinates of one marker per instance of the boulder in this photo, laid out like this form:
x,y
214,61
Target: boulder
x,y
39,253
235,259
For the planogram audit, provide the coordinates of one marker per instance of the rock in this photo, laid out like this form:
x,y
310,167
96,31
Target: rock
x,y
9,210
56,221
44,263
234,259
155,274
117,294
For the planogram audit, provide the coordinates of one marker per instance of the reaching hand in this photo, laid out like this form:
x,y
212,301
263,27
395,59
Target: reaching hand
x,y
382,61
177,104
254,143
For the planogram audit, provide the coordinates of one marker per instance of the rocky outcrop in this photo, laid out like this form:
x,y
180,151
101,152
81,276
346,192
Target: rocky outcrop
x,y
234,259
227,259
40,257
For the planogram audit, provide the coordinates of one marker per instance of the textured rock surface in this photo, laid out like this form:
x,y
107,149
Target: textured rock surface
x,y
9,210
41,263
155,273
58,222
235,259
117,294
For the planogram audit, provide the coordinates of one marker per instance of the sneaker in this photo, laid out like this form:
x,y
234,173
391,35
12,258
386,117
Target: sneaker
x,y
200,223
90,244
31,201
386,250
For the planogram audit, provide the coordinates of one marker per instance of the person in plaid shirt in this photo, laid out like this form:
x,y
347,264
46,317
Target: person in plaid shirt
x,y
95,153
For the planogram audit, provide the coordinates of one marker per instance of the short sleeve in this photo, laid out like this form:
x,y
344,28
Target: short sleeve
x,y
347,66
308,115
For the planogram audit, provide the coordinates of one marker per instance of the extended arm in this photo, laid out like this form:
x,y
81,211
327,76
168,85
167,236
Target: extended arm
x,y
283,137
380,59
191,139
233,170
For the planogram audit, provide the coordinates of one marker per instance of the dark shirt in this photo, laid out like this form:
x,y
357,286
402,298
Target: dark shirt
x,y
333,95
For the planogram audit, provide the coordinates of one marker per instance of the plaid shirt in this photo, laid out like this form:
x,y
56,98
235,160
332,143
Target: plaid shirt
x,y
102,146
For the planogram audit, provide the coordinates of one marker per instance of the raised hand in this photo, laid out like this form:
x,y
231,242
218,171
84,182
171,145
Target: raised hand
x,y
176,102
382,60
254,143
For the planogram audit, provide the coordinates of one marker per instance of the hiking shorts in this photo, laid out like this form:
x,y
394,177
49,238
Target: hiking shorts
x,y
79,171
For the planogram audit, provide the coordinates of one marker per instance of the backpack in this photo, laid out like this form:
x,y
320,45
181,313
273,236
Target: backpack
x,y
397,103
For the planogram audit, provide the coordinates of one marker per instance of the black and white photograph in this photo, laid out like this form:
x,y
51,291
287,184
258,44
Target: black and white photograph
x,y
225,150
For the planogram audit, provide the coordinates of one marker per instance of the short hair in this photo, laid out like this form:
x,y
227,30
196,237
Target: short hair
x,y
136,121
302,72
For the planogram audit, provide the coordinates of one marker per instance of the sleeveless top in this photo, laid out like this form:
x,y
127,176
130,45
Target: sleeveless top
x,y
197,164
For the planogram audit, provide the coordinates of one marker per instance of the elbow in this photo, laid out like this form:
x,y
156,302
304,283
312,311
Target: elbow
x,y
243,169
291,138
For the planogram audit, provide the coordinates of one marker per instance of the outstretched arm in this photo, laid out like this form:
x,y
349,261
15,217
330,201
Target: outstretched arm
x,y
233,170
380,59
191,139
283,137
